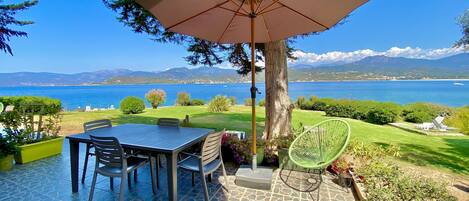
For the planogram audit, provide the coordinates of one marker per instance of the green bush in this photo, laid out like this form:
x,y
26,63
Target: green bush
x,y
183,99
340,110
248,102
33,104
132,105
219,104
155,97
381,116
197,102
384,181
301,102
7,147
233,100
424,112
460,119
262,103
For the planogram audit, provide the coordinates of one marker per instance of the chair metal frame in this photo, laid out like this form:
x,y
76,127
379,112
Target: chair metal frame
x,y
209,160
111,161
89,126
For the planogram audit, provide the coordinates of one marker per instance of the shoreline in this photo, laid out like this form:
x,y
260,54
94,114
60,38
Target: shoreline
x,y
221,83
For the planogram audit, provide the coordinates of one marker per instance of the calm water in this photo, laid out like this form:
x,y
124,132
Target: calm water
x,y
443,92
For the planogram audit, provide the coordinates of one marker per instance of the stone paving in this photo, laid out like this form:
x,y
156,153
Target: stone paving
x,y
49,179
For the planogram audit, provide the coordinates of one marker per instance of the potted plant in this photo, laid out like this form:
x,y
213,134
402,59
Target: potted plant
x,y
34,126
282,144
342,169
7,149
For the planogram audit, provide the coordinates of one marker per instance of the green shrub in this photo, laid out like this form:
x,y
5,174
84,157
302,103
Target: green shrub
x,y
196,102
460,120
384,181
33,104
300,102
248,102
381,116
155,97
262,103
219,104
340,110
183,99
132,105
424,112
233,100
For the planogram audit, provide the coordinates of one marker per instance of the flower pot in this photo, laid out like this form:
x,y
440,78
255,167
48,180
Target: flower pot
x,y
345,179
284,161
6,163
39,150
260,154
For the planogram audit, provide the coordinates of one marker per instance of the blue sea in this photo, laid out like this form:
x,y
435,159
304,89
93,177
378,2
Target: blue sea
x,y
451,93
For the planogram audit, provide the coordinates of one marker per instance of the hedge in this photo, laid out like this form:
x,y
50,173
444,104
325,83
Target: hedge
x,y
34,104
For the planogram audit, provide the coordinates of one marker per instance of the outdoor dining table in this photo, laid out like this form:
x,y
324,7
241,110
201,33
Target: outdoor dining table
x,y
152,139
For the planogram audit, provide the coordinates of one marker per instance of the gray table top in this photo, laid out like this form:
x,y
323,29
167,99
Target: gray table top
x,y
149,137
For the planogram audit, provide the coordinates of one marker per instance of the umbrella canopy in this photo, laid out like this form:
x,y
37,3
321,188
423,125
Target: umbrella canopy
x,y
228,21
253,21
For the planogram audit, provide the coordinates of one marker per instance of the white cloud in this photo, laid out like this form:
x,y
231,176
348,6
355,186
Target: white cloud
x,y
345,57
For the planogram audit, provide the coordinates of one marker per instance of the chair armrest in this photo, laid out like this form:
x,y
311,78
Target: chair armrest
x,y
194,155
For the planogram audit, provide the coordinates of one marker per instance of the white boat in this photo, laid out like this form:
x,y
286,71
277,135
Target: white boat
x,y
458,84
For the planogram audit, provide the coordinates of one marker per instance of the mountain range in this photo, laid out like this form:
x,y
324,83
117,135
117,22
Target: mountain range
x,y
369,68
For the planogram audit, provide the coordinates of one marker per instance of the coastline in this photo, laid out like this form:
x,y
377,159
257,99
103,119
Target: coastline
x,y
220,83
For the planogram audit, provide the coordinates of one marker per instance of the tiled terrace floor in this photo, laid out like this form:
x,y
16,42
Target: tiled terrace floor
x,y
49,179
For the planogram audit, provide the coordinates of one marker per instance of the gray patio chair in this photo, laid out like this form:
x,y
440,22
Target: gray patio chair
x,y
111,161
168,122
207,162
89,126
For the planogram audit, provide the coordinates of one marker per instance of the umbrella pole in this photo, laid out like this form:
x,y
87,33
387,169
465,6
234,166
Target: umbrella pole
x,y
253,89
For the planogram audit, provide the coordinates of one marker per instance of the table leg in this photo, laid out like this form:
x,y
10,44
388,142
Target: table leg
x,y
171,163
74,156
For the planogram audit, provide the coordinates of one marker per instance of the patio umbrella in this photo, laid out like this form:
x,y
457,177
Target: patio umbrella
x,y
249,21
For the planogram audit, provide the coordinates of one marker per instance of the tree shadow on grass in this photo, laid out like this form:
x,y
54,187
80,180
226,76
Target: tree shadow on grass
x,y
423,156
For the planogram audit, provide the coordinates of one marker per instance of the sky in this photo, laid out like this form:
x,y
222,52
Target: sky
x,y
85,36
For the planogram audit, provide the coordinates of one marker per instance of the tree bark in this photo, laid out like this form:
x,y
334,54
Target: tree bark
x,y
278,107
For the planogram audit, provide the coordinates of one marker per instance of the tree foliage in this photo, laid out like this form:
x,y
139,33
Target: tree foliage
x,y
463,21
7,19
201,52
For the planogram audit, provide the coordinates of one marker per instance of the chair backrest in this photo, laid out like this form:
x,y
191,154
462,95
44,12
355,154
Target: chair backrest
x,y
9,108
108,151
319,145
437,124
93,125
211,147
439,119
168,122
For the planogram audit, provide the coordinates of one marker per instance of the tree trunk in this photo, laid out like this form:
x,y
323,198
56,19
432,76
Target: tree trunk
x,y
278,107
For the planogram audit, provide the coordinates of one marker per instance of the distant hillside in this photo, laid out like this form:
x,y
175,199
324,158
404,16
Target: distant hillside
x,y
370,68
382,67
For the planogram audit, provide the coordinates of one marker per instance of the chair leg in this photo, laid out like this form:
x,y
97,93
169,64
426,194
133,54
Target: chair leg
x,y
93,184
193,179
85,165
128,180
135,175
224,174
204,185
154,184
122,188
111,183
209,177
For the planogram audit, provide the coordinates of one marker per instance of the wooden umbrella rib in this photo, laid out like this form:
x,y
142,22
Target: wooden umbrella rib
x,y
266,28
200,13
229,23
237,13
245,11
259,6
299,13
268,6
266,11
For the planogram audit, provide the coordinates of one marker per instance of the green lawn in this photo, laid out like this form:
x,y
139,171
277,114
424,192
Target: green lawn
x,y
450,154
